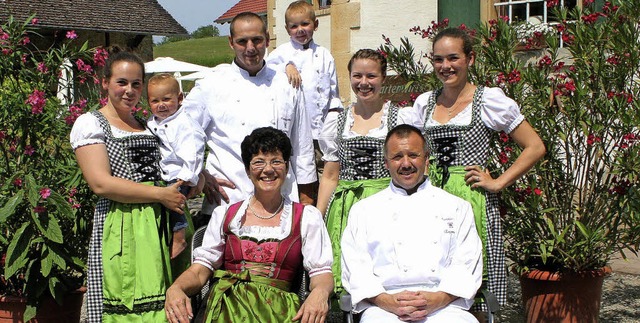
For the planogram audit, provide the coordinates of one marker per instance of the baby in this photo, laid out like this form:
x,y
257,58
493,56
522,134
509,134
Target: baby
x,y
181,145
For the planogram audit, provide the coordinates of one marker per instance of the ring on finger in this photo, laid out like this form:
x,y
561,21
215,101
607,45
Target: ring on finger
x,y
477,178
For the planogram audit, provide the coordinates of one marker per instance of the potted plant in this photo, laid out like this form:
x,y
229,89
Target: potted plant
x,y
45,205
580,205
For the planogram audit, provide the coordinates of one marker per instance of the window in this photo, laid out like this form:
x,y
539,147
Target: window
x,y
324,3
533,11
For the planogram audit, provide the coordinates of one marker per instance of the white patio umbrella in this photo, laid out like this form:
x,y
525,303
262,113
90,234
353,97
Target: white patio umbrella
x,y
170,65
201,74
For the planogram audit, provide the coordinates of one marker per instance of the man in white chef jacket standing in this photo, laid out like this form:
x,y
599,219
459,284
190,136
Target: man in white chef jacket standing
x,y
411,252
234,100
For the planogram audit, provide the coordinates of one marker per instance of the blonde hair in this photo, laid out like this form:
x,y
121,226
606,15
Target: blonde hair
x,y
164,78
300,6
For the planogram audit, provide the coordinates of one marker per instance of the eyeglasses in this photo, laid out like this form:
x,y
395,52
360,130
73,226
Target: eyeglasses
x,y
261,164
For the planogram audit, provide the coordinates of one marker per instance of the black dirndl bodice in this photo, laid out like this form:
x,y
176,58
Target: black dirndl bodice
x,y
459,145
362,157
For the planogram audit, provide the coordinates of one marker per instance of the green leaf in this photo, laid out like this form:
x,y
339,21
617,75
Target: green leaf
x,y
32,191
56,257
63,206
57,289
10,207
47,262
48,226
29,313
18,249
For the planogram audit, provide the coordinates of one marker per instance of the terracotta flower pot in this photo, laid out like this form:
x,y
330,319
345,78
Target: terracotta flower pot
x,y
553,297
12,308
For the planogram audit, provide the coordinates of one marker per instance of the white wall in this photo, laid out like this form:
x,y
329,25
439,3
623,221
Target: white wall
x,y
322,36
393,19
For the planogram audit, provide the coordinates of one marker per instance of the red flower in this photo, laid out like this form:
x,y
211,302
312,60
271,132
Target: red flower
x,y
558,66
503,157
592,139
514,77
35,21
537,191
567,38
17,182
503,136
552,3
545,61
45,192
25,40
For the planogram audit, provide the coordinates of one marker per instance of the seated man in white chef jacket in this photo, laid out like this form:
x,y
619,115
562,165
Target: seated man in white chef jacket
x,y
411,252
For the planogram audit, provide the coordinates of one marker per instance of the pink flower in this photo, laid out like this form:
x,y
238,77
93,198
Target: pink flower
x,y
82,66
42,68
7,51
45,193
25,40
76,206
552,3
613,60
39,209
35,21
73,192
28,150
104,101
100,57
17,182
71,34
37,101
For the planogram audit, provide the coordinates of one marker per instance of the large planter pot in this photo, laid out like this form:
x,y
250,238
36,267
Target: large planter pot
x,y
12,308
553,297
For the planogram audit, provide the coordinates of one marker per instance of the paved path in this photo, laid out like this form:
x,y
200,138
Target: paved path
x,y
629,266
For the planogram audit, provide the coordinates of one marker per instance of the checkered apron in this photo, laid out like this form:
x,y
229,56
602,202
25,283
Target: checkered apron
x,y
454,145
362,157
134,158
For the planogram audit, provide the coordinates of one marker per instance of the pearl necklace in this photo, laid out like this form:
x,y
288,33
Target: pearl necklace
x,y
269,216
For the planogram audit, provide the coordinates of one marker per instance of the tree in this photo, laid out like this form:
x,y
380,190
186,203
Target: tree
x,y
205,31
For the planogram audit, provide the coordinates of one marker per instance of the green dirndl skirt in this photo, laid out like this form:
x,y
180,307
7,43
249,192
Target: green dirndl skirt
x,y
244,297
136,263
457,186
346,194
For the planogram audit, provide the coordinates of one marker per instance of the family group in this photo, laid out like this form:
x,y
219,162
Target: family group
x,y
405,216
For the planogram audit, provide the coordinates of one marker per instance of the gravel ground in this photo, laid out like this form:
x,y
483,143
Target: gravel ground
x,y
620,300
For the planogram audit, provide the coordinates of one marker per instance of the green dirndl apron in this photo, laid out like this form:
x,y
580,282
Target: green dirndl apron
x,y
135,258
244,297
346,194
457,186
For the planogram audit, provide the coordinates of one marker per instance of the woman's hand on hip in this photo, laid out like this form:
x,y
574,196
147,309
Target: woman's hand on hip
x,y
476,177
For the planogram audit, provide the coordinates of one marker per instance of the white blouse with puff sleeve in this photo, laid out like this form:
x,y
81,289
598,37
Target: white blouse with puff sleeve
x,y
316,246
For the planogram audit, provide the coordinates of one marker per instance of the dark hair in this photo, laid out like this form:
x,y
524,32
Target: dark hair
x,y
265,140
247,16
116,54
404,131
372,55
467,41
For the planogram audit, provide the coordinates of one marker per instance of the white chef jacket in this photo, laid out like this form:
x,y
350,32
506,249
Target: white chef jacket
x,y
319,80
181,146
229,104
423,241
316,245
